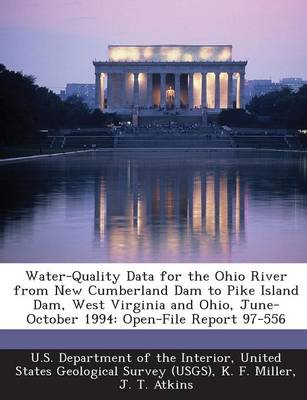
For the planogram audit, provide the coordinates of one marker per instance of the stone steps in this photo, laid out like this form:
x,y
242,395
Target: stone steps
x,y
171,142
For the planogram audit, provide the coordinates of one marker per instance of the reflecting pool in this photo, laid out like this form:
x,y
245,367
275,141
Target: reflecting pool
x,y
155,206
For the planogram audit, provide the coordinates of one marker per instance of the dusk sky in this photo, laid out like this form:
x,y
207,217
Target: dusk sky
x,y
56,40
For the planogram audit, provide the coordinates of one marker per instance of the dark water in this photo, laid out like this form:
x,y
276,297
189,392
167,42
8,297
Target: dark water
x,y
155,206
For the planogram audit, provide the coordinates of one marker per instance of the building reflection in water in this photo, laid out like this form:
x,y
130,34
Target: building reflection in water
x,y
166,216
155,206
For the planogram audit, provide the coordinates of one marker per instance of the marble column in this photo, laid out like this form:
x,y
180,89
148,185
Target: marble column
x,y
123,97
190,91
109,91
99,91
217,90
177,90
163,90
230,90
136,89
242,90
149,90
204,90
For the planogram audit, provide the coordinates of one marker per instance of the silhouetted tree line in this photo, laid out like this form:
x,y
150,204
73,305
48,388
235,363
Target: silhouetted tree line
x,y
279,109
25,108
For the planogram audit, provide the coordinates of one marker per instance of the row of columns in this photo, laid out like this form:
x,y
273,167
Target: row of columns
x,y
136,89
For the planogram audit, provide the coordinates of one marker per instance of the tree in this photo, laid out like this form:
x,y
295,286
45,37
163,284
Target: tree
x,y
236,117
25,108
285,108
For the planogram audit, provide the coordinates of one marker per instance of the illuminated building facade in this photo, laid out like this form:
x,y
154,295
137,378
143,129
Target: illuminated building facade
x,y
181,78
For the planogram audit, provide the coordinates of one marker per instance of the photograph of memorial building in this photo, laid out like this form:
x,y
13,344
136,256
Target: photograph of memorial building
x,y
185,79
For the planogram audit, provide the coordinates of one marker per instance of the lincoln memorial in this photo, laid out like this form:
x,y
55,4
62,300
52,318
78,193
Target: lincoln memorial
x,y
185,79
